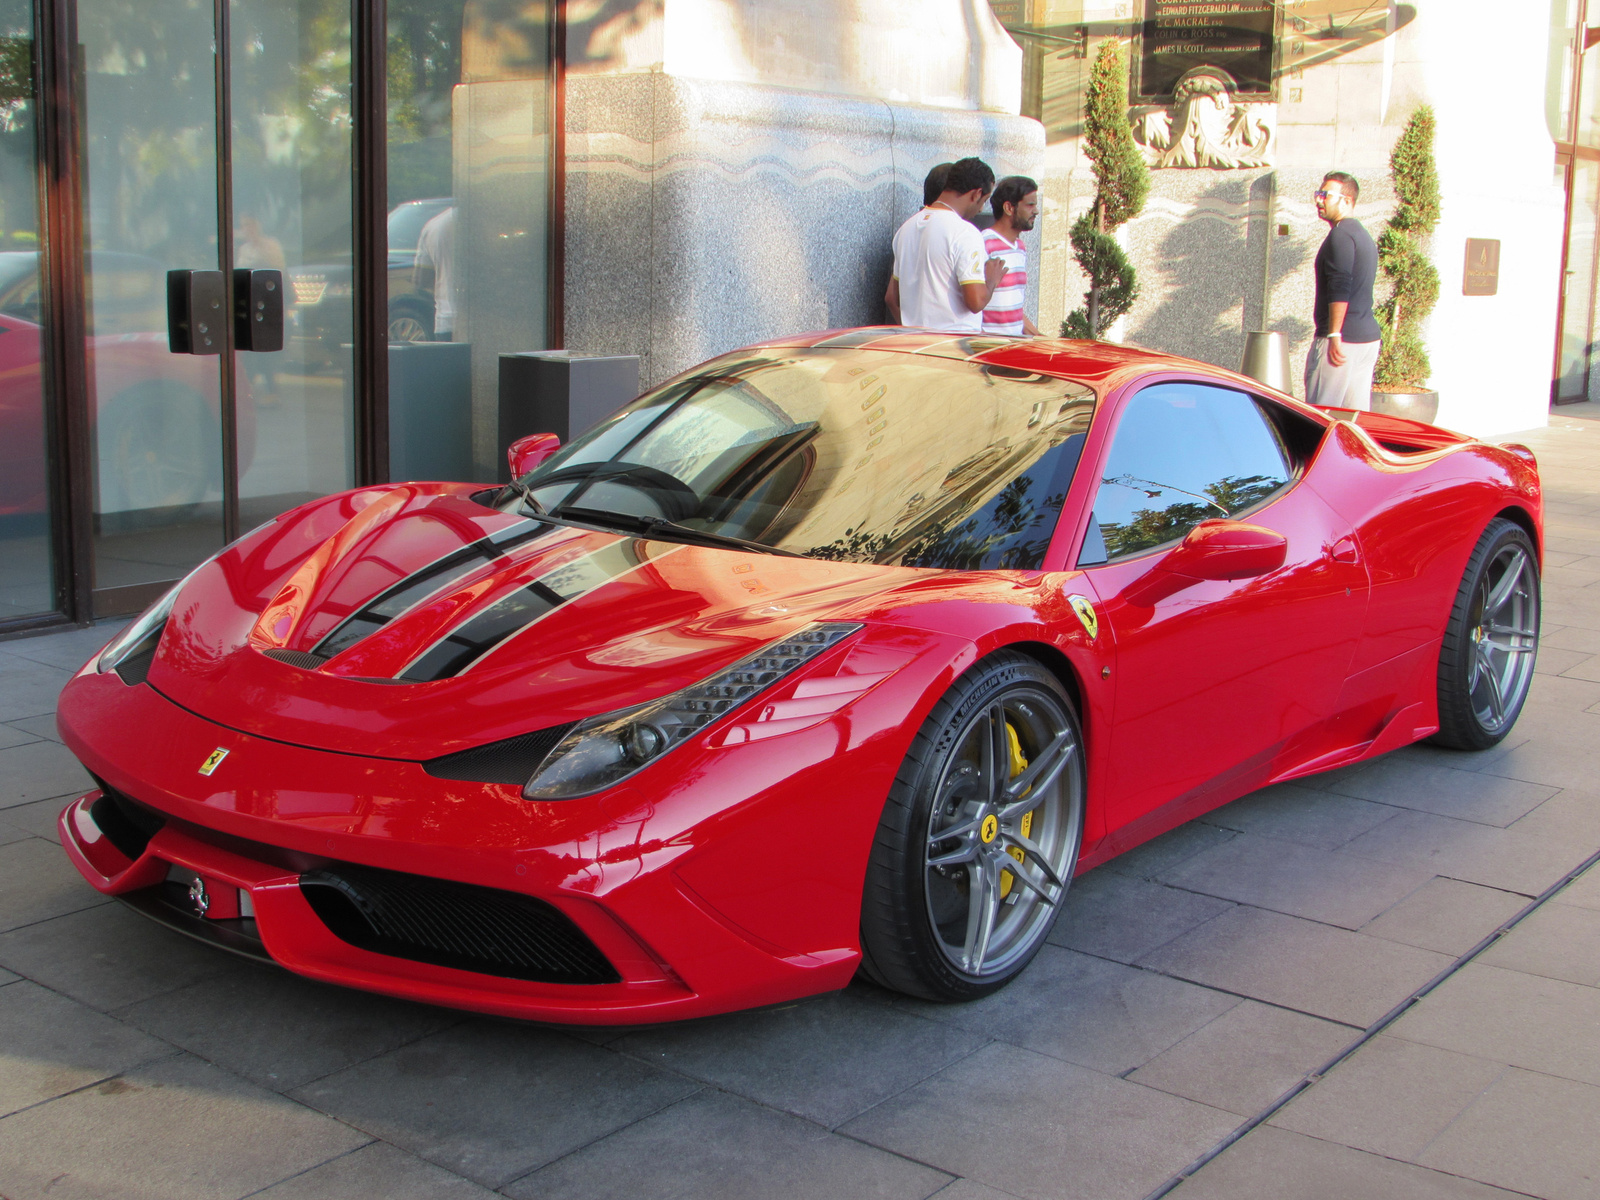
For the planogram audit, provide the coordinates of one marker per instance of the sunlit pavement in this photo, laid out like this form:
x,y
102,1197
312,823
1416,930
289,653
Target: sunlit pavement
x,y
1331,941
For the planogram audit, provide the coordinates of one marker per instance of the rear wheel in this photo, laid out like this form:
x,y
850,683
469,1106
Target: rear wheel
x,y
979,836
1486,660
158,446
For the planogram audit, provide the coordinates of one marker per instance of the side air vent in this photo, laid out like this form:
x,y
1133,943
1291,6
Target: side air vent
x,y
512,761
458,925
297,658
136,667
128,825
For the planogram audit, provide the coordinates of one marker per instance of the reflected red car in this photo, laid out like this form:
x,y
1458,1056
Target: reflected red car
x,y
838,654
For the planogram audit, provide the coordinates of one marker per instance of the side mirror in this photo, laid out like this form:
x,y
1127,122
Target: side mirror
x,y
526,453
1212,550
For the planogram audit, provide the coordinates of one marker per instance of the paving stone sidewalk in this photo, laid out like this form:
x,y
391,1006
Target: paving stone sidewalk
x,y
1191,986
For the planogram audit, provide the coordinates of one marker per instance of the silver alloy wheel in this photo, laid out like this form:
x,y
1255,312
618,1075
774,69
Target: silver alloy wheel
x,y
1505,634
406,328
982,923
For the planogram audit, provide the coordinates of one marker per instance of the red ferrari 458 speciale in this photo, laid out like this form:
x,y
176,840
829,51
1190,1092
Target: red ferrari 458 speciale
x,y
839,653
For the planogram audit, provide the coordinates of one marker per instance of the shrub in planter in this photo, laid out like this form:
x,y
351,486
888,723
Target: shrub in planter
x,y
1121,183
1400,380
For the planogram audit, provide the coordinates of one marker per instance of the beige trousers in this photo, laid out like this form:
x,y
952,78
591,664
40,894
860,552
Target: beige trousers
x,y
1348,386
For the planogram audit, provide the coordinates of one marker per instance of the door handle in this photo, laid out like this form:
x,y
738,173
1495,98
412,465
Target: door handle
x,y
195,312
1344,551
257,310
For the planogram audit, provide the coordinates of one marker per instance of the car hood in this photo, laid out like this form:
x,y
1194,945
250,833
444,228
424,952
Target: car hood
x,y
409,621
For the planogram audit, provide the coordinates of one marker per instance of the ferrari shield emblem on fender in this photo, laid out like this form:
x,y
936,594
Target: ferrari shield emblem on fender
x,y
1084,607
213,761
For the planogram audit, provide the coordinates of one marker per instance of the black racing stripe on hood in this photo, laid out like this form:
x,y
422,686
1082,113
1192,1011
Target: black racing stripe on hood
x,y
419,585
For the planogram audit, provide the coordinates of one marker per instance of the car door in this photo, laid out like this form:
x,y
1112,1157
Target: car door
x,y
1219,682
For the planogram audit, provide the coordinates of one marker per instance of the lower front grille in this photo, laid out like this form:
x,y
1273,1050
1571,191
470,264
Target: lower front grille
x,y
127,824
460,925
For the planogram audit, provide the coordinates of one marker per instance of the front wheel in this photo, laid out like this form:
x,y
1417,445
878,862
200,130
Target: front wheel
x,y
979,836
1486,659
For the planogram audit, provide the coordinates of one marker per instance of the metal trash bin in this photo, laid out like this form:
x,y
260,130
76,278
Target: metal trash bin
x,y
564,392
1266,358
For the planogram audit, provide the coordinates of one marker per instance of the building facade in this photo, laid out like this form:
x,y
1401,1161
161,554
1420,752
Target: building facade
x,y
442,182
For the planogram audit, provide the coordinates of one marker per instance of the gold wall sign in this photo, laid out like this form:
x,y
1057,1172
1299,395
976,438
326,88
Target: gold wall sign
x,y
1481,276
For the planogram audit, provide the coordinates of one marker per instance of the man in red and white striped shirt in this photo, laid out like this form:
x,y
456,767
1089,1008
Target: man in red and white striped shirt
x,y
1016,207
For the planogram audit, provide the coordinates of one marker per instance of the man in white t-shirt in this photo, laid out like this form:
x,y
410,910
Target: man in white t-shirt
x,y
943,278
1016,206
434,269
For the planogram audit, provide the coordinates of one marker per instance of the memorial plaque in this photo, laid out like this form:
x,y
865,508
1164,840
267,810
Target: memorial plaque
x,y
1482,274
1178,35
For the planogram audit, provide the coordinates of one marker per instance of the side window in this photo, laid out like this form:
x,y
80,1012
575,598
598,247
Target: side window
x,y
1183,453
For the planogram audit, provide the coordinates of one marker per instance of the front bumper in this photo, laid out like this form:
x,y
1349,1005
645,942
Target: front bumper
x,y
270,816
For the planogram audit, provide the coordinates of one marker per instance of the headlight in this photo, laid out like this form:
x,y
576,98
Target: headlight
x,y
145,631
605,750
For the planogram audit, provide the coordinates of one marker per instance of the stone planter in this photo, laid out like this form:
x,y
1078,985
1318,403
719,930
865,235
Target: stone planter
x,y
1417,406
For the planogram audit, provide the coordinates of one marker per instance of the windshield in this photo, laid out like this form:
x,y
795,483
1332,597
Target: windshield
x,y
846,454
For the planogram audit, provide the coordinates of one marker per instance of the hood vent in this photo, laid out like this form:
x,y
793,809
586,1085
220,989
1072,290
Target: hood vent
x,y
303,659
512,761
418,586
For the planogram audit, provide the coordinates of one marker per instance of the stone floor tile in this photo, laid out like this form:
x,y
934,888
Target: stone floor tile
x,y
1303,881
37,883
493,1101
1391,1097
11,832
1246,1058
1507,859
1570,815
1456,760
12,734
1275,1164
1300,814
1446,915
1558,753
1299,964
1570,638
1559,941
1167,851
177,1129
39,770
1098,1014
1529,1021
971,1189
1040,1128
37,727
110,956
28,688
1427,787
717,1147
281,1031
50,1045
377,1171
1552,660
1121,917
1584,891
68,650
1528,1132
826,1058
37,819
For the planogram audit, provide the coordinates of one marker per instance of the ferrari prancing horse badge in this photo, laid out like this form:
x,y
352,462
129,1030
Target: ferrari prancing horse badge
x,y
213,761
1084,607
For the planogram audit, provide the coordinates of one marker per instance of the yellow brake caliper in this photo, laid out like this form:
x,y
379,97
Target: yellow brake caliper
x,y
1019,764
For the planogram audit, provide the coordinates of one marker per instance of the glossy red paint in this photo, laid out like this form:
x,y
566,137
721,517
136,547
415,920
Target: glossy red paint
x,y
729,872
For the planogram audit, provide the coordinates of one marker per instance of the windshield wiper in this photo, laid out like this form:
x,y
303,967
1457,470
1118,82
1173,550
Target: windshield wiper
x,y
657,526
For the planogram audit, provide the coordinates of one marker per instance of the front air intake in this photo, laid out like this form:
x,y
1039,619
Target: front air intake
x,y
460,925
127,824
512,761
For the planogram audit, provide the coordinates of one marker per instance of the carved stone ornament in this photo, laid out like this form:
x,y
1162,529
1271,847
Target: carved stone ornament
x,y
1204,126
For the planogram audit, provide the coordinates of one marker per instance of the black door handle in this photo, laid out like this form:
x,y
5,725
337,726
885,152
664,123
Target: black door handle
x,y
257,309
195,312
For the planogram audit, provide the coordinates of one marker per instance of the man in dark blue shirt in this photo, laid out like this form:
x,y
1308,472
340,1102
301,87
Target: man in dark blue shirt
x,y
1339,366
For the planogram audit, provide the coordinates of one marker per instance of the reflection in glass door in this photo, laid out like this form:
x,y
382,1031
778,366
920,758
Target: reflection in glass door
x,y
290,75
150,205
1578,285
27,585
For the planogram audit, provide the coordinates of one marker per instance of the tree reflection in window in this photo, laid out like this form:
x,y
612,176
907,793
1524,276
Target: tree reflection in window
x,y
1185,453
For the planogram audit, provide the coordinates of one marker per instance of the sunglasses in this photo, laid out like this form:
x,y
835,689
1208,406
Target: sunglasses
x,y
1324,194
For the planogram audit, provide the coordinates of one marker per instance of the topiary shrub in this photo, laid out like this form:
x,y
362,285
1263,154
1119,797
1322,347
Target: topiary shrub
x,y
1403,259
1122,181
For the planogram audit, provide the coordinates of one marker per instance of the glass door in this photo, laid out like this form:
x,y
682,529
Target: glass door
x,y
190,450
1576,336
